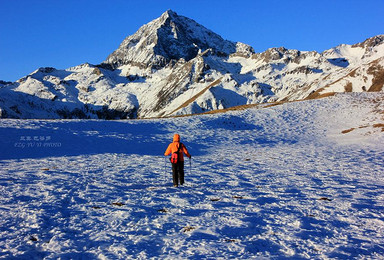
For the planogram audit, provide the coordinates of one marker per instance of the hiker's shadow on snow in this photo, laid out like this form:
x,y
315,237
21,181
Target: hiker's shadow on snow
x,y
40,139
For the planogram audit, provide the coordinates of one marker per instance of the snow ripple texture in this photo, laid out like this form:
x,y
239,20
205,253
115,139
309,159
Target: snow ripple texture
x,y
301,180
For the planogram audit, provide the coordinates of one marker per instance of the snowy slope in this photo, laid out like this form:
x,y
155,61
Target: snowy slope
x,y
175,66
301,180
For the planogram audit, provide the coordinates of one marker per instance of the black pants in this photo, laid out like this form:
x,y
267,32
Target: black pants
x,y
178,173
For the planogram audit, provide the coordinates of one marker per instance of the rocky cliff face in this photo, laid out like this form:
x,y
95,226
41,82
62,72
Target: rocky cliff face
x,y
174,66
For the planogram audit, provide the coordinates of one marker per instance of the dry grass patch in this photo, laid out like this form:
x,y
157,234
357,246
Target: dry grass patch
x,y
379,126
348,87
275,104
235,108
348,130
188,229
377,71
317,94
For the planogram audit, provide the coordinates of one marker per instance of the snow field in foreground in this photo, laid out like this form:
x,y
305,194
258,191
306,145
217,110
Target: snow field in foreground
x,y
277,182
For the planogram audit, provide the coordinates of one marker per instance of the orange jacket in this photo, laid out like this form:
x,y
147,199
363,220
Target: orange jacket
x,y
173,147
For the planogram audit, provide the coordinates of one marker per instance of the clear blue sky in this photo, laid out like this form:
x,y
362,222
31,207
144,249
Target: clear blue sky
x,y
65,33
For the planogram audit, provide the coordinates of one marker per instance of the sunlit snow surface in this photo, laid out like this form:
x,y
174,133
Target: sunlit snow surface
x,y
276,182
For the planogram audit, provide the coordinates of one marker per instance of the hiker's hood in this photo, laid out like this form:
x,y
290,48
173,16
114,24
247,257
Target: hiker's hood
x,y
176,138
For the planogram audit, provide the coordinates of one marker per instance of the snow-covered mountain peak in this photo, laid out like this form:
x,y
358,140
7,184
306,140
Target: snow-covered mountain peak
x,y
366,51
169,14
285,56
168,38
371,42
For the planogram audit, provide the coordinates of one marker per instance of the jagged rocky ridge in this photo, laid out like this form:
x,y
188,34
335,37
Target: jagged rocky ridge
x,y
174,66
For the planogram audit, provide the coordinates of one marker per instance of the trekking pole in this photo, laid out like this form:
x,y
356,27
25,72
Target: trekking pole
x,y
190,166
165,168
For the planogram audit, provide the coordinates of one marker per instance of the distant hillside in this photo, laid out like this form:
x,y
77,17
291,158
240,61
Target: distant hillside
x,y
175,66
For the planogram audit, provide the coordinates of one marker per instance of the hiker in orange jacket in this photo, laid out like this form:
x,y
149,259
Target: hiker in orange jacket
x,y
177,167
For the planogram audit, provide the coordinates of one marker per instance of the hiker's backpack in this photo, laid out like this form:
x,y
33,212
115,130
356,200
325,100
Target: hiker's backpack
x,y
175,156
